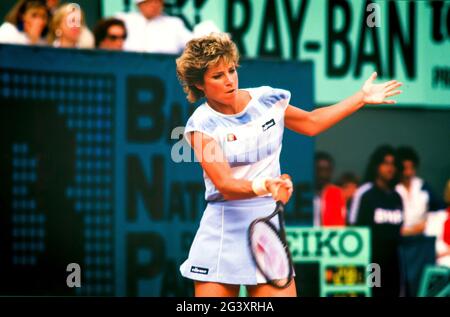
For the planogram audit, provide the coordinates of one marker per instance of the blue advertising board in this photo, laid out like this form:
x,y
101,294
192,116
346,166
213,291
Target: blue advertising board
x,y
88,174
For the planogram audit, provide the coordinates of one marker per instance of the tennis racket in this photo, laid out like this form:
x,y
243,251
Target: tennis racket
x,y
269,248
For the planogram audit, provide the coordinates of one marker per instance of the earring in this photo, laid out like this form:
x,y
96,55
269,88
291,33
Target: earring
x,y
58,32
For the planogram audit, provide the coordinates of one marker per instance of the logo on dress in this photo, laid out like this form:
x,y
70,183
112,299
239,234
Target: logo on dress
x,y
199,270
231,137
266,126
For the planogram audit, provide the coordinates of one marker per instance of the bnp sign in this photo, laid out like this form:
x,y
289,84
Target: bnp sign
x,y
347,40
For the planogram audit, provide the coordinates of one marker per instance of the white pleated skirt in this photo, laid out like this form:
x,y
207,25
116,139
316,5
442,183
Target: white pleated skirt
x,y
220,251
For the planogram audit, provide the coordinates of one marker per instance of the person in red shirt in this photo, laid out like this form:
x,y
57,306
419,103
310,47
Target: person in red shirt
x,y
329,203
447,223
443,253
349,183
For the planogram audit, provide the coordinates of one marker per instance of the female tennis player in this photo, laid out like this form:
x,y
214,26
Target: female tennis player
x,y
236,135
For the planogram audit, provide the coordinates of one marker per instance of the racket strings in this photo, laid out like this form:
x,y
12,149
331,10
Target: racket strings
x,y
270,254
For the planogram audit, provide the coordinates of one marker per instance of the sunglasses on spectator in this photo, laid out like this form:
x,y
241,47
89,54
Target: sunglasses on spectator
x,y
113,37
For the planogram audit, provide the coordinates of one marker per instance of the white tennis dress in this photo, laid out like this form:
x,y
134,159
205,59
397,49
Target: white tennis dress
x,y
251,141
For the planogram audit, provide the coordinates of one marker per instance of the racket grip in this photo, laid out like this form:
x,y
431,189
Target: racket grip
x,y
283,192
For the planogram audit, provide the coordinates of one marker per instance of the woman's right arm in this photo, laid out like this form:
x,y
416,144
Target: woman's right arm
x,y
215,165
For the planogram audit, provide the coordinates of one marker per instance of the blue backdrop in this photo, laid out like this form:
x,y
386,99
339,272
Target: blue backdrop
x,y
87,174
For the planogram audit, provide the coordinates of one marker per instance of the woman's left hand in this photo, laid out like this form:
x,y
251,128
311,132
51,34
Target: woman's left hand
x,y
274,185
377,93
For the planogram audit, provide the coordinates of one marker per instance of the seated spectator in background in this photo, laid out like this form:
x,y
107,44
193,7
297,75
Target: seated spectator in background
x,y
348,182
443,241
52,5
416,250
66,26
86,39
378,206
25,24
329,203
416,194
151,31
110,34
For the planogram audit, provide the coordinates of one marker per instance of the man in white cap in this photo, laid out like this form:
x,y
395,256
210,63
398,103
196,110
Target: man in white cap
x,y
150,30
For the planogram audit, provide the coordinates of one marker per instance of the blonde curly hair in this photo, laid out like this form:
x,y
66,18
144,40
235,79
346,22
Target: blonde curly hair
x,y
61,15
201,53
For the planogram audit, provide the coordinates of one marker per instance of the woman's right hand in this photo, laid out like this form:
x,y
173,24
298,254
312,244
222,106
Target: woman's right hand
x,y
281,188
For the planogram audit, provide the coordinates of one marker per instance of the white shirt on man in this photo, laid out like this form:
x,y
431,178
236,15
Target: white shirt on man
x,y
163,34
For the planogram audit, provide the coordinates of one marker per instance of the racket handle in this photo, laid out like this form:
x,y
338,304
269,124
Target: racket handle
x,y
283,192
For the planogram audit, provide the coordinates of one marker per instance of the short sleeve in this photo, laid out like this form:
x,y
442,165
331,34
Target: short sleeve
x,y
201,122
273,97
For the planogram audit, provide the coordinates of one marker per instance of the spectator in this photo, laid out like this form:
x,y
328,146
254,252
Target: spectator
x,y
151,31
378,206
417,196
110,34
443,241
66,26
52,5
416,250
86,39
329,204
25,24
348,182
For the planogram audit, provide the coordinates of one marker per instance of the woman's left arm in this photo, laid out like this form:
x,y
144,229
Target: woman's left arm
x,y
317,121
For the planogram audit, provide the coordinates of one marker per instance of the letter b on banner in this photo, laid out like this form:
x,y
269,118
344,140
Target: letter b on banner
x,y
145,99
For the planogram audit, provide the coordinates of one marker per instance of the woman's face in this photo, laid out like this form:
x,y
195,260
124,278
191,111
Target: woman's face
x,y
34,21
71,26
114,39
220,82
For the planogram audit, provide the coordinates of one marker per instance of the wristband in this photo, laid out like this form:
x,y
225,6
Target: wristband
x,y
259,186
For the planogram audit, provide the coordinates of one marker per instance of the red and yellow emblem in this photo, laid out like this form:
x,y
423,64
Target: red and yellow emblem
x,y
231,137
